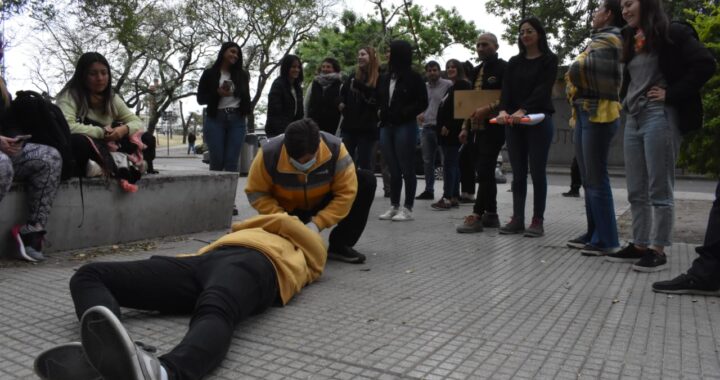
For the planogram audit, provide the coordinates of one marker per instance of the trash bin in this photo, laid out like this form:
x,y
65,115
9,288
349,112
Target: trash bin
x,y
247,153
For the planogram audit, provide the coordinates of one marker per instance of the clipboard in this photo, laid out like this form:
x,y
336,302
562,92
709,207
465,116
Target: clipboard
x,y
466,101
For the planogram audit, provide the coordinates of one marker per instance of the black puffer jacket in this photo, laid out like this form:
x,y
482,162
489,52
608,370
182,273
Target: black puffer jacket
x,y
410,94
283,108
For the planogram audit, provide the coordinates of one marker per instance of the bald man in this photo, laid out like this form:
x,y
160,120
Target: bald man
x,y
484,139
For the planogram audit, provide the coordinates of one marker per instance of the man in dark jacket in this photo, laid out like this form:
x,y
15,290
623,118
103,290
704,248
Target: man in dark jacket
x,y
486,138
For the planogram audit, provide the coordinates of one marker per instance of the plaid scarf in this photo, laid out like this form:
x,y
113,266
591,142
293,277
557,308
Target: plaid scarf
x,y
596,73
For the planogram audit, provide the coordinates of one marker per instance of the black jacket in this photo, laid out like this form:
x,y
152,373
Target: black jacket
x,y
686,65
323,104
207,92
493,70
360,112
282,107
528,84
410,95
446,115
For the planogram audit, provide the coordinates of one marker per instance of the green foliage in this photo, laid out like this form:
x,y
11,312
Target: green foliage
x,y
430,32
567,22
700,150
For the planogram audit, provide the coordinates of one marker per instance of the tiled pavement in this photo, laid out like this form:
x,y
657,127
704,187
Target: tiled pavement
x,y
429,303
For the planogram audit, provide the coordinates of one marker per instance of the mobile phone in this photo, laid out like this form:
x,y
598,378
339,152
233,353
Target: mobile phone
x,y
22,138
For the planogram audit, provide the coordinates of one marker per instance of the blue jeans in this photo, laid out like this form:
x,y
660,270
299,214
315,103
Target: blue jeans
x,y
360,147
398,148
529,144
592,144
429,145
451,171
652,142
224,135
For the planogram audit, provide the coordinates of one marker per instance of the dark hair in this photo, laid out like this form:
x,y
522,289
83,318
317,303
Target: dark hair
x,y
432,64
301,137
613,6
78,90
654,24
459,66
400,57
237,71
333,62
285,66
542,35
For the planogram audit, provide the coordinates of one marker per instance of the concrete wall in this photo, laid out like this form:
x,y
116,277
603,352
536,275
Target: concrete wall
x,y
165,205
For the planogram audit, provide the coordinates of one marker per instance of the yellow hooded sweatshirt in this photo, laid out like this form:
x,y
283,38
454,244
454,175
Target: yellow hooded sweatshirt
x,y
297,253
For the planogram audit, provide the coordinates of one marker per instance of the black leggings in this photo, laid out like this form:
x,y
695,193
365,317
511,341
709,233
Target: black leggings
x,y
219,288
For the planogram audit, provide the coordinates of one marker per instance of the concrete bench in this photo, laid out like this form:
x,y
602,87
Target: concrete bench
x,y
167,204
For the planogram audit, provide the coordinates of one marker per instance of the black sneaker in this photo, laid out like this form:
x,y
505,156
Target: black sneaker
x,y
579,242
110,350
685,284
65,362
591,250
426,196
346,255
490,220
514,226
629,254
573,193
653,261
536,228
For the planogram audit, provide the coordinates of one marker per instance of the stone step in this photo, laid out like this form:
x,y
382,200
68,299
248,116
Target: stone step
x,y
166,204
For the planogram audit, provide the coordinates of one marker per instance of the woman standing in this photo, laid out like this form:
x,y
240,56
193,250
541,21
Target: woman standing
x,y
402,95
665,68
448,129
527,90
359,126
285,100
593,82
97,117
224,88
39,167
323,96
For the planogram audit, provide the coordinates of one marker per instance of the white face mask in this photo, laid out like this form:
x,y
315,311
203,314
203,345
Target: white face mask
x,y
303,167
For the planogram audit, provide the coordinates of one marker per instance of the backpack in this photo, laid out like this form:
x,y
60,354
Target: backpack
x,y
36,116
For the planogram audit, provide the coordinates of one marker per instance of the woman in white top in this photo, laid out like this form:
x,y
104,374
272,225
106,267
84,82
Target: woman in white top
x,y
225,89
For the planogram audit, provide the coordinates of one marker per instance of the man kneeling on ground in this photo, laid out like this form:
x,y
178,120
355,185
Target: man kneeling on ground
x,y
265,259
310,174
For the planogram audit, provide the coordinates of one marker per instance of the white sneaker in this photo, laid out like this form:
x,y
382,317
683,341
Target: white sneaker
x,y
92,169
403,216
389,214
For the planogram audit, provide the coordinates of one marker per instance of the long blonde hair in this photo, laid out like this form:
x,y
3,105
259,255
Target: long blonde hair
x,y
4,93
372,70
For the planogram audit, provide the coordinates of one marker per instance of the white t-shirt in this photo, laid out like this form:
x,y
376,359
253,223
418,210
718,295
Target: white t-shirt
x,y
228,101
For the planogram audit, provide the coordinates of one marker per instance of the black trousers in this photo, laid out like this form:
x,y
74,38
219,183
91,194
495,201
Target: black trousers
x,y
575,179
219,288
467,165
348,231
83,151
488,143
707,266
